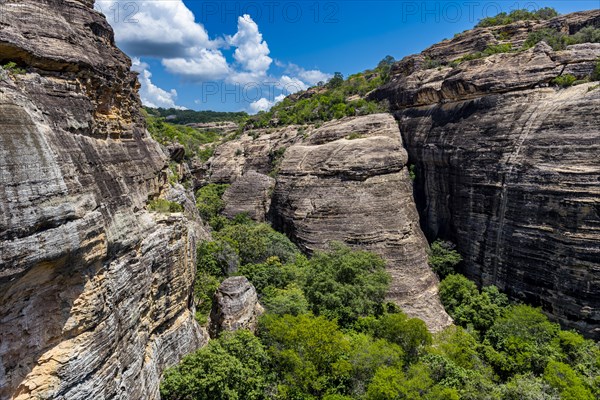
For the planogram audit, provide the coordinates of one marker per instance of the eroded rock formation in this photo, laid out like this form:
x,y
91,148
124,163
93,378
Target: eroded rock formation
x,y
94,288
235,306
345,181
508,167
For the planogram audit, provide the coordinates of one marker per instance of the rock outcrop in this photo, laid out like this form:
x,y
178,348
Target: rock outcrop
x,y
346,181
349,182
95,290
250,194
507,165
235,306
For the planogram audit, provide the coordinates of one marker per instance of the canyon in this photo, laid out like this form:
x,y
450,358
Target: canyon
x,y
96,288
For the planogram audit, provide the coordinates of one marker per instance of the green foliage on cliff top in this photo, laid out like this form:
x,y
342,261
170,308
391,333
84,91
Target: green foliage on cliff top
x,y
190,138
337,99
183,117
518,15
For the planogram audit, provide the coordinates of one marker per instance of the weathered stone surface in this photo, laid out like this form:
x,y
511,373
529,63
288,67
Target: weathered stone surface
x,y
508,168
249,153
94,288
358,191
235,306
250,194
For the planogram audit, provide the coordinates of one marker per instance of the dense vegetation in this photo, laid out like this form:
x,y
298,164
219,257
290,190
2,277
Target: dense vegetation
x,y
183,117
329,334
194,141
518,15
336,99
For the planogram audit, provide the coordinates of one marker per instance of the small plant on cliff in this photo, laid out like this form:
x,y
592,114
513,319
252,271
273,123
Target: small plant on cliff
x,y
13,69
443,258
596,74
164,206
564,80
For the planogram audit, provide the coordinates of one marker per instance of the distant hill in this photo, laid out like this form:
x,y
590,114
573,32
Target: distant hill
x,y
190,116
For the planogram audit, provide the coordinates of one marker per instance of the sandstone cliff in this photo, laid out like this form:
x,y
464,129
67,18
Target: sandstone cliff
x,y
345,181
507,166
94,288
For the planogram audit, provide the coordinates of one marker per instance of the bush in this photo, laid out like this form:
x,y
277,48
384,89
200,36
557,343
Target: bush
x,y
290,300
190,138
467,306
164,206
443,258
231,367
564,80
346,284
517,15
596,73
209,200
13,69
410,334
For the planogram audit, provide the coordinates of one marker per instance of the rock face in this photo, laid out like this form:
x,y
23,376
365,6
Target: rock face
x,y
250,194
349,182
345,181
94,288
235,307
508,168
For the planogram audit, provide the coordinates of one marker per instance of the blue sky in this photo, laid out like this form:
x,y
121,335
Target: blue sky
x,y
246,55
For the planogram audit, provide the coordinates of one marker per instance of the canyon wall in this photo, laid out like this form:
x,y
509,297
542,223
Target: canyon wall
x,y
507,164
95,290
345,181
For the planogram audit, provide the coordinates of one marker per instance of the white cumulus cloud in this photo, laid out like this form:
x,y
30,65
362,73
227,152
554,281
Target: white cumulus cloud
x,y
150,94
154,28
205,66
251,52
264,104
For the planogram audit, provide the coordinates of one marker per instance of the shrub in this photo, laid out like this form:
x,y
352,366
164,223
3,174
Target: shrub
x,y
164,206
596,73
231,367
13,69
517,15
192,139
209,200
345,284
443,258
564,80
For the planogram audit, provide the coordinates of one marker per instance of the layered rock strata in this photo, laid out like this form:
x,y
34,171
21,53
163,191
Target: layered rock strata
x,y
95,290
507,164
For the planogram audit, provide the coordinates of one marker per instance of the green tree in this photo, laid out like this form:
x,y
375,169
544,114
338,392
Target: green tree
x,y
290,300
307,353
209,200
336,81
230,368
523,341
346,284
410,334
566,381
443,258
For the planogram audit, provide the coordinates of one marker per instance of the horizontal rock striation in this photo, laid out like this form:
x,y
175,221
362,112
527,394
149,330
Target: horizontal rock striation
x,y
348,182
507,166
95,290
